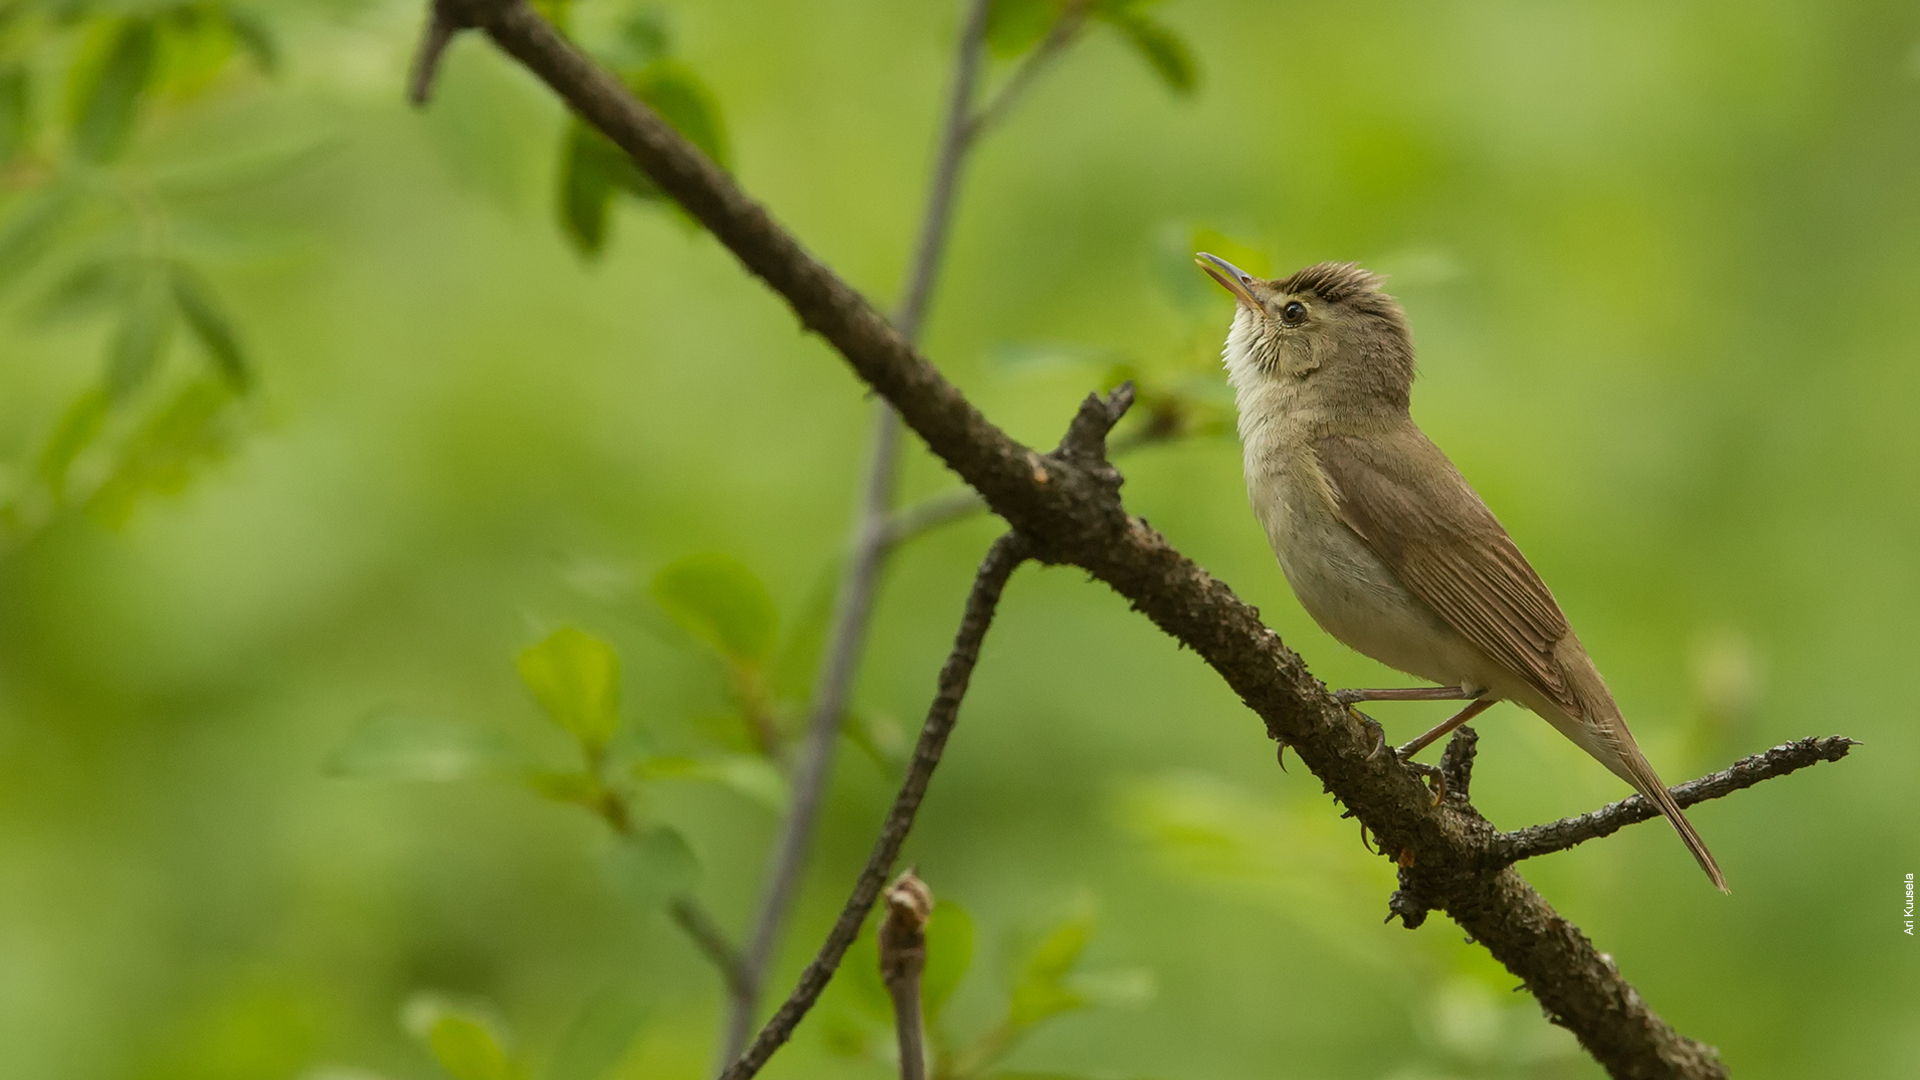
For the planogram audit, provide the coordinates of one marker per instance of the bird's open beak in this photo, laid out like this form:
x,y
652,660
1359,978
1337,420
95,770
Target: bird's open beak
x,y
1231,278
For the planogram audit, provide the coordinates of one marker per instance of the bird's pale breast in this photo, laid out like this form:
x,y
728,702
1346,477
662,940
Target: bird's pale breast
x,y
1345,587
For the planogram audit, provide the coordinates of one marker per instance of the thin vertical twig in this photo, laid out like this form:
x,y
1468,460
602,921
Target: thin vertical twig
x,y
853,604
1006,554
903,959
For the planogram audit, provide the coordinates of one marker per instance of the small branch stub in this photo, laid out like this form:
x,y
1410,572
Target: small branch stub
x,y
903,957
903,930
1456,765
445,18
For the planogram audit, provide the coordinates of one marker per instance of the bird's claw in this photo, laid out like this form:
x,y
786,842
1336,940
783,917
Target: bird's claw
x,y
1379,733
1435,776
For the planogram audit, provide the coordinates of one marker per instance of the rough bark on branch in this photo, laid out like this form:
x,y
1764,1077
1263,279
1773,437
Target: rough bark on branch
x,y
1067,505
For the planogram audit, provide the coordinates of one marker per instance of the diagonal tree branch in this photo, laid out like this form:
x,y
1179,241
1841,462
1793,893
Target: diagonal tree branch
x,y
1006,554
871,544
1066,504
1538,840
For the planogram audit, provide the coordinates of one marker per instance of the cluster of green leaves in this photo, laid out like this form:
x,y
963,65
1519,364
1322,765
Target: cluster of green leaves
x,y
726,610
575,677
727,613
1048,981
592,169
90,235
471,1043
1017,27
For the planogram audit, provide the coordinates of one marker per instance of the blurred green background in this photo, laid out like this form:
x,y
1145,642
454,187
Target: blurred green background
x,y
1660,261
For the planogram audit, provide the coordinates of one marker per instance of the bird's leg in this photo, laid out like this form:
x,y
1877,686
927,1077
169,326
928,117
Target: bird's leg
x,y
1403,693
1437,777
1406,693
1473,709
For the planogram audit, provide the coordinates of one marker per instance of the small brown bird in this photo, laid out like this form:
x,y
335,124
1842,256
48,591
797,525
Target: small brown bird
x,y
1384,542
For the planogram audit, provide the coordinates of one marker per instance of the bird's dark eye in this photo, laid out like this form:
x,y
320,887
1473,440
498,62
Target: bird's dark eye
x,y
1293,313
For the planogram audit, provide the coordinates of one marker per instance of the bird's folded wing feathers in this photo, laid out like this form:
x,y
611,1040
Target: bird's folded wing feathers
x,y
1450,551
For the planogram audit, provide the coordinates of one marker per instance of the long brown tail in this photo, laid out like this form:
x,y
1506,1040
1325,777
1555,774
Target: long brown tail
x,y
1642,777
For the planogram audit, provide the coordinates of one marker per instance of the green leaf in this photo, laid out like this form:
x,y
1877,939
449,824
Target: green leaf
x,y
949,954
644,39
566,785
797,662
557,12
843,1034
163,453
586,189
592,168
1175,246
745,774
464,1044
108,94
1116,988
210,325
681,99
1014,26
652,867
1163,50
398,745
77,429
876,736
576,678
16,110
93,285
859,976
600,1035
468,1051
146,323
720,602
1042,989
231,169
32,230
255,39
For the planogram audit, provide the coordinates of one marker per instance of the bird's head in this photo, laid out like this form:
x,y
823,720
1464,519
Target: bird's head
x,y
1328,327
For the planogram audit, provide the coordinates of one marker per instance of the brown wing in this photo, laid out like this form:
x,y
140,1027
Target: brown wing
x,y
1419,515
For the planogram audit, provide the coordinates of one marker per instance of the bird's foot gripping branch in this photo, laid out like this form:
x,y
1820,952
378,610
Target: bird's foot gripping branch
x,y
1065,507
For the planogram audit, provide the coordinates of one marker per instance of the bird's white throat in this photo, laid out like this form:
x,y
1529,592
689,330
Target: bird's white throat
x,y
1238,356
